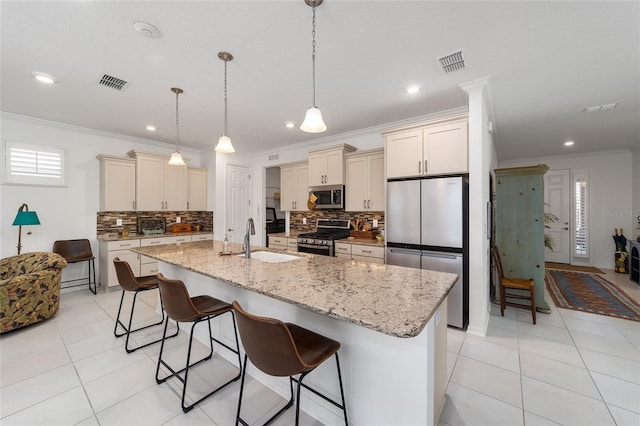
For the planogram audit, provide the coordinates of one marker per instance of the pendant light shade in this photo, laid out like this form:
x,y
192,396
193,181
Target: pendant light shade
x,y
176,157
313,122
224,142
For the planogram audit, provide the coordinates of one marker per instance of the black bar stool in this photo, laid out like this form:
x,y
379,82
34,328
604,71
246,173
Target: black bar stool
x,y
129,282
284,349
75,251
181,307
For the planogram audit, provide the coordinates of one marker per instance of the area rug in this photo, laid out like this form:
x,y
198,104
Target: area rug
x,y
590,293
565,267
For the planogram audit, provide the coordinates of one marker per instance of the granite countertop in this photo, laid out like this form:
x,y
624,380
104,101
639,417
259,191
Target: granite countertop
x,y
134,236
394,300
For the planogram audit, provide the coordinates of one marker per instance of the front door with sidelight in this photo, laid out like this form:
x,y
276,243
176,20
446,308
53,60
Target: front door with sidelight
x,y
557,199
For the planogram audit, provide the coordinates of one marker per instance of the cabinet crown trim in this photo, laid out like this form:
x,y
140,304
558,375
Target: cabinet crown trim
x,y
421,124
364,153
135,153
345,147
102,157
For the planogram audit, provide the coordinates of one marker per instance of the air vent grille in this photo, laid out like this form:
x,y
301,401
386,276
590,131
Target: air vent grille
x,y
454,61
273,157
113,82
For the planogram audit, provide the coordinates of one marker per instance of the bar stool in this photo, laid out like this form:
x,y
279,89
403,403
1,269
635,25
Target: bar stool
x,y
181,307
284,349
521,285
75,251
129,282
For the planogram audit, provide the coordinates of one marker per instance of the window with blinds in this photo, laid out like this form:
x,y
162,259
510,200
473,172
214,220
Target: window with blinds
x,y
29,164
581,234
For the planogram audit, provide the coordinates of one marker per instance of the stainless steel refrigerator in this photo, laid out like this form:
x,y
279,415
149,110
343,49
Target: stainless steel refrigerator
x,y
427,228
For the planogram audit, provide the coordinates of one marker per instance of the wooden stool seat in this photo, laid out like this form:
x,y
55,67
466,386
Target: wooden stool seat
x,y
524,288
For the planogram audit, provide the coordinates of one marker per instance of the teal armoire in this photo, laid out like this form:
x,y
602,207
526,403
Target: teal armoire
x,y
520,225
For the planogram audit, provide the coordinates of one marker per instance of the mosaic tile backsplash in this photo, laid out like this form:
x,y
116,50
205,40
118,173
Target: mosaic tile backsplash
x,y
106,221
313,216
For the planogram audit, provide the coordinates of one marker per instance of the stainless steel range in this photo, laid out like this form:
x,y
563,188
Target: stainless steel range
x,y
322,241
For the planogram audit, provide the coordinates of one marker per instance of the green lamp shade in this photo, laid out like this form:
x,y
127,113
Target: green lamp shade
x,y
26,218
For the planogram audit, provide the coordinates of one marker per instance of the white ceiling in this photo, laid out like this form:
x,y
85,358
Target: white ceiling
x,y
547,62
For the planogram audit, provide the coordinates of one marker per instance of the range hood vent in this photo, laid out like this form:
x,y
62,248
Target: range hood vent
x,y
454,61
113,82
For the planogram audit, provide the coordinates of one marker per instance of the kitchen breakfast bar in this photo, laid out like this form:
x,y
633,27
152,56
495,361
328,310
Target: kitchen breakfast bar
x,y
390,321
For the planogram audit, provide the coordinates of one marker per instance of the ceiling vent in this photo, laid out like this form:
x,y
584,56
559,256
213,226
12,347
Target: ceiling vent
x,y
598,108
454,61
113,82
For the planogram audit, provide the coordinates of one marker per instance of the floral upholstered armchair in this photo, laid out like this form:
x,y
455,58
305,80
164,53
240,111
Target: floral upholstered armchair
x,y
29,288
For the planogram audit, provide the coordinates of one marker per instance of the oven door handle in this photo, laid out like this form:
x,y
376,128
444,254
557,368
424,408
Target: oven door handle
x,y
312,246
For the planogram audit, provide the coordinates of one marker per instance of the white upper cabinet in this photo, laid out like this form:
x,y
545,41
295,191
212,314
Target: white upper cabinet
x,y
117,183
439,148
159,186
294,186
326,165
197,185
365,181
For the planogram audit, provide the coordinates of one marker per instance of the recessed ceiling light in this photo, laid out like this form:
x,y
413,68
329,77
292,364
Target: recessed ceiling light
x,y
412,88
151,127
43,77
290,124
568,143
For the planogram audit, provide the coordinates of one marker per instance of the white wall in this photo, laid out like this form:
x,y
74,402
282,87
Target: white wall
x,y
68,212
609,192
635,182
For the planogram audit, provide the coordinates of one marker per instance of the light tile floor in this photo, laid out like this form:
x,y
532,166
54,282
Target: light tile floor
x,y
571,368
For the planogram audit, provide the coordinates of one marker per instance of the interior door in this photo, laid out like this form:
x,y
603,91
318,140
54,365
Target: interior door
x,y
237,202
557,198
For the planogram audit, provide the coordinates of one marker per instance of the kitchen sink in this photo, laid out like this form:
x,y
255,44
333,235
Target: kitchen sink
x,y
270,257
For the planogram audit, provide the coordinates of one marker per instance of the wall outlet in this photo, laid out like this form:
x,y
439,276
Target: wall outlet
x,y
178,219
118,222
375,223
304,220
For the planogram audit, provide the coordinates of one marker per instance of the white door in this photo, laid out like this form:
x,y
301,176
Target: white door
x,y
237,202
557,197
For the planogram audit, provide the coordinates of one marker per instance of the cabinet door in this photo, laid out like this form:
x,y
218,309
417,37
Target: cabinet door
x,y
335,167
197,189
445,148
175,187
149,183
404,154
128,256
317,169
376,200
357,180
288,188
118,185
302,188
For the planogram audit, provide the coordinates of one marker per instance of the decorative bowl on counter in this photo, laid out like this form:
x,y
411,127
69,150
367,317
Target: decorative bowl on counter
x,y
380,238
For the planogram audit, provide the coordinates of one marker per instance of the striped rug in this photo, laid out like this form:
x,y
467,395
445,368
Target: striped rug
x,y
590,293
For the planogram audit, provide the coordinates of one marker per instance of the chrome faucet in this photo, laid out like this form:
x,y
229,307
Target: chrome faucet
x,y
246,246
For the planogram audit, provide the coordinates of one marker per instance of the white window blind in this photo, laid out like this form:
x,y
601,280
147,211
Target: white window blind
x,y
30,164
581,234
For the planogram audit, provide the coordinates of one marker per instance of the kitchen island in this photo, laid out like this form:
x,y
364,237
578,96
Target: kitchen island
x,y
387,318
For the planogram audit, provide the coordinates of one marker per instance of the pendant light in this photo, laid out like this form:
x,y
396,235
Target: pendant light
x,y
176,157
224,143
313,122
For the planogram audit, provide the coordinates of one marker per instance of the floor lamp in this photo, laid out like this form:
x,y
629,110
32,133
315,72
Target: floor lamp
x,y
24,217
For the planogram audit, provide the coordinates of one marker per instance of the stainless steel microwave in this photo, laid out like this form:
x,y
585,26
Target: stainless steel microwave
x,y
329,196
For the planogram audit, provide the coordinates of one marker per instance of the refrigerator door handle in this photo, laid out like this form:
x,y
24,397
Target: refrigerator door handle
x,y
441,255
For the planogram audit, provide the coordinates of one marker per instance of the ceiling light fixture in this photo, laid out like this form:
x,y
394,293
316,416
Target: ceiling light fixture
x,y
176,157
290,124
224,143
43,77
412,89
151,127
146,29
568,143
313,122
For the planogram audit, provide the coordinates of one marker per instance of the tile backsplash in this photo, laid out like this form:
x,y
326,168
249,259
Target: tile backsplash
x,y
313,216
106,221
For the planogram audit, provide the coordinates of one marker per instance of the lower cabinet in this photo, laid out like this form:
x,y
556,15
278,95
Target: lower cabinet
x,y
283,243
363,252
140,265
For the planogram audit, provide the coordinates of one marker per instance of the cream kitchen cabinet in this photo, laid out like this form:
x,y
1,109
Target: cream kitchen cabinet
x,y
197,189
326,165
283,243
365,181
436,148
343,250
109,250
159,186
362,252
202,237
117,183
294,186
